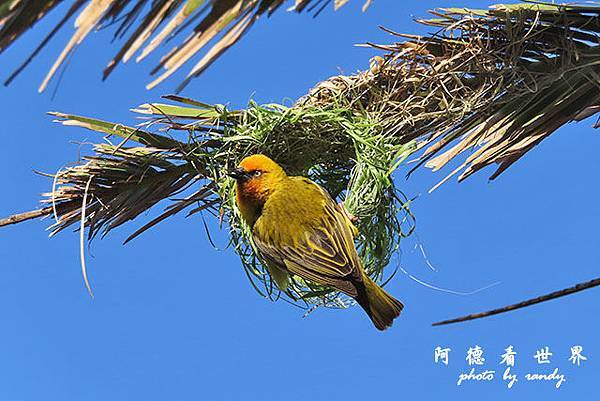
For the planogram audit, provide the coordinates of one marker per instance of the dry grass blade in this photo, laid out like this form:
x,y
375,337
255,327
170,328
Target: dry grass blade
x,y
74,8
197,197
221,20
82,237
85,22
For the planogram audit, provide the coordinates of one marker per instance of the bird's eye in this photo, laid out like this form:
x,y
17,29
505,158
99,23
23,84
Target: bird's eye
x,y
257,173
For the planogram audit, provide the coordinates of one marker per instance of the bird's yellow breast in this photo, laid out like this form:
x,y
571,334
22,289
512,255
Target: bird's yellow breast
x,y
297,207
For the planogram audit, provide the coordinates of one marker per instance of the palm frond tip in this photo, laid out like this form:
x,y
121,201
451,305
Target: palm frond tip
x,y
220,22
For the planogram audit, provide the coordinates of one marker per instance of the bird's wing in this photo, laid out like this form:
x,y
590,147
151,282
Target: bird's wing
x,y
323,254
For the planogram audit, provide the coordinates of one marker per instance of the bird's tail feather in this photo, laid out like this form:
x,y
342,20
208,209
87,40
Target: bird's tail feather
x,y
381,307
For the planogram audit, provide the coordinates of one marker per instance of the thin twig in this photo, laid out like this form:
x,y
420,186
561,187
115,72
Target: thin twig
x,y
18,218
523,304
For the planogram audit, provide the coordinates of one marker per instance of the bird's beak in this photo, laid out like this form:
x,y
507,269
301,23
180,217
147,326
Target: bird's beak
x,y
237,173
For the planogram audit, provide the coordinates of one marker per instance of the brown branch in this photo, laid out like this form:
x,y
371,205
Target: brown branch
x,y
17,218
529,302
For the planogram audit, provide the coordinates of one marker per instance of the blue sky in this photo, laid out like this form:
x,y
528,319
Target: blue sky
x,y
174,318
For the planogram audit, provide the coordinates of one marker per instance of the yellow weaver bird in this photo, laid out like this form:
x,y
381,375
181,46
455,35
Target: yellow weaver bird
x,y
299,229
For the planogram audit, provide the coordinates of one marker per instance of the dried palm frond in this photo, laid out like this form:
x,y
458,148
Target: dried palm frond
x,y
494,82
221,22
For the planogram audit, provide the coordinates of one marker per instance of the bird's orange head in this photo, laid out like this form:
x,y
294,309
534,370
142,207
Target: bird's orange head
x,y
257,177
